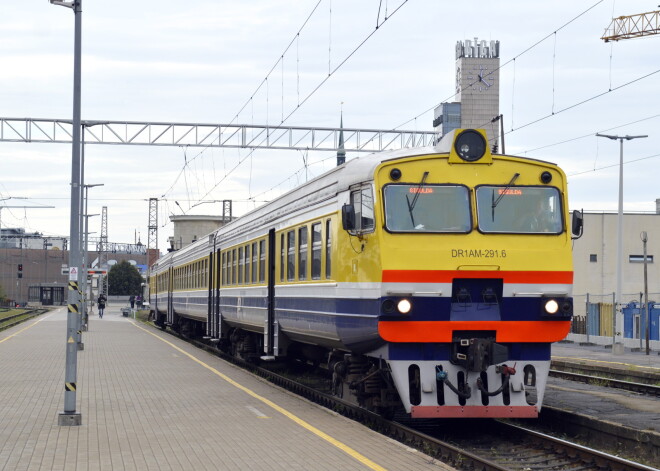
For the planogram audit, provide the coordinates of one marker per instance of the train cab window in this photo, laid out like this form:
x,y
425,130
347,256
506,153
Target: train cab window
x,y
519,209
302,253
328,249
262,261
254,262
291,255
316,251
363,204
427,208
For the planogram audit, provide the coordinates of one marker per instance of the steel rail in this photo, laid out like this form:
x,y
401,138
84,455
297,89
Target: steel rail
x,y
649,389
452,454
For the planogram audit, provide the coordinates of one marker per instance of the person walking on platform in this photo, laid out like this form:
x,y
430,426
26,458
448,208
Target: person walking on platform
x,y
101,303
132,301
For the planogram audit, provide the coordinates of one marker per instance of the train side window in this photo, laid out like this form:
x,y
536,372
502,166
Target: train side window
x,y
291,255
248,271
233,266
328,249
254,262
224,268
302,253
262,261
316,251
240,265
282,257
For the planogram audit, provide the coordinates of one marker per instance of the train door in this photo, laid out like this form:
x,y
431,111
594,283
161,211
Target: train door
x,y
211,293
271,327
170,295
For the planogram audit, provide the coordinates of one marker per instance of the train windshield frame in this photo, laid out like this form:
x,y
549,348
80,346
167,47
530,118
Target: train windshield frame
x,y
424,208
505,209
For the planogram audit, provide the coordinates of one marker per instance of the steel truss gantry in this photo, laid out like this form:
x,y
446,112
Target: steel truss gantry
x,y
212,135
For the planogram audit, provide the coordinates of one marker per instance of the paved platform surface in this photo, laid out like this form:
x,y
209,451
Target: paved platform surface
x,y
632,410
199,413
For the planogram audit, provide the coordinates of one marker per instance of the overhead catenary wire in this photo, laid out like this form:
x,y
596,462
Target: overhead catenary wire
x,y
512,60
323,81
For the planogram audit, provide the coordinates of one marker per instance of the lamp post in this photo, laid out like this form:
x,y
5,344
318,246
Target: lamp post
x,y
85,258
69,416
619,243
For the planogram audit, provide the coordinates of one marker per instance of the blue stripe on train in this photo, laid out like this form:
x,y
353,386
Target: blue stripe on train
x,y
442,352
424,308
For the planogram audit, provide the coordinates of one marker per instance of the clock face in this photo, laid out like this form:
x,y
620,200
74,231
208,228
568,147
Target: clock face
x,y
481,78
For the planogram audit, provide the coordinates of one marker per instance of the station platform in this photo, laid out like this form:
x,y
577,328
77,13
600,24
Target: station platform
x,y
151,401
613,411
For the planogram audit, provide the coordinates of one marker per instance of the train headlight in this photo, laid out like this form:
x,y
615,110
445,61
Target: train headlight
x,y
551,306
470,145
404,306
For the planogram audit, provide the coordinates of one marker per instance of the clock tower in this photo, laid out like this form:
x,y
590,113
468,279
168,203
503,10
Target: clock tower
x,y
478,84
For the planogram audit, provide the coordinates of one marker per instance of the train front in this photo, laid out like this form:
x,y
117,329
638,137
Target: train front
x,y
476,278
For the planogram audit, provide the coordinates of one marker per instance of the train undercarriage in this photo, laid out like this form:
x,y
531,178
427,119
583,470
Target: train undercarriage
x,y
475,378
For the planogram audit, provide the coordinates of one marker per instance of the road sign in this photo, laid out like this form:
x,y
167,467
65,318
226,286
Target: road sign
x,y
91,271
73,274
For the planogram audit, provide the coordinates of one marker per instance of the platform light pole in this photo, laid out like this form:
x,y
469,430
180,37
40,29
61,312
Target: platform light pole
x,y
69,416
619,244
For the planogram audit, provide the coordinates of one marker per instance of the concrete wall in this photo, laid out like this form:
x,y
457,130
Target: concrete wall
x,y
598,278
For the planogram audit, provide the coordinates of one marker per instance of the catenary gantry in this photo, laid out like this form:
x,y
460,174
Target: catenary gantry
x,y
249,136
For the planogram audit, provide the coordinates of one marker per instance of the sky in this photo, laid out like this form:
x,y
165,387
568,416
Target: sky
x,y
385,63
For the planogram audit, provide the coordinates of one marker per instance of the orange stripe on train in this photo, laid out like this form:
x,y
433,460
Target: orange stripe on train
x,y
442,331
447,276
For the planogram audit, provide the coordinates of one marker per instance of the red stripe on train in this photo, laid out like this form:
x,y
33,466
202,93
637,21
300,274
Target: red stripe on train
x,y
447,276
474,411
442,331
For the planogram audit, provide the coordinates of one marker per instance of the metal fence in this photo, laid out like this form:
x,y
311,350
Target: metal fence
x,y
594,315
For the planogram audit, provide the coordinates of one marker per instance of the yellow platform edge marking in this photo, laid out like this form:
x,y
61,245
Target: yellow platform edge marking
x,y
25,328
345,448
606,362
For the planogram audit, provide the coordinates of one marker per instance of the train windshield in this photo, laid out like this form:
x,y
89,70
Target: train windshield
x,y
426,208
516,209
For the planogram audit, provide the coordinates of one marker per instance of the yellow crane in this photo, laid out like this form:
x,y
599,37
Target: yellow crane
x,y
633,26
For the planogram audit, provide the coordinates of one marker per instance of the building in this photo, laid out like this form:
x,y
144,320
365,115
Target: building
x,y
188,229
477,90
41,276
594,257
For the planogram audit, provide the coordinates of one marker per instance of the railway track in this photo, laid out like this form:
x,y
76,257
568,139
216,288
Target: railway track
x,y
10,321
642,388
471,445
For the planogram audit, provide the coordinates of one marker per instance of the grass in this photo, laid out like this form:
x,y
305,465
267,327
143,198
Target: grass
x,y
10,312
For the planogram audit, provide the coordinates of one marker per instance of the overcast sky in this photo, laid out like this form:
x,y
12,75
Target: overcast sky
x,y
201,62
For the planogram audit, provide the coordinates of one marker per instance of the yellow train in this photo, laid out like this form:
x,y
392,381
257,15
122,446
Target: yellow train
x,y
433,278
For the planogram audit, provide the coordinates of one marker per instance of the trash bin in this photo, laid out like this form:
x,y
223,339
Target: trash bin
x,y
125,311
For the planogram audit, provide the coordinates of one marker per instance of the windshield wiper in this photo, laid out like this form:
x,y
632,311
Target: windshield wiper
x,y
494,201
411,205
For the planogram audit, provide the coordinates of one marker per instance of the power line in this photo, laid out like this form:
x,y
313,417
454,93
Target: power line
x,y
591,134
310,94
507,62
614,165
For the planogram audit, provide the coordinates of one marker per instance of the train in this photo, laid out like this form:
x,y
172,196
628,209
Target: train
x,y
429,280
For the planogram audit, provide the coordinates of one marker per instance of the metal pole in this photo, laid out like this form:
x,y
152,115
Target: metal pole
x,y
587,327
69,415
641,316
613,318
618,313
619,249
646,296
